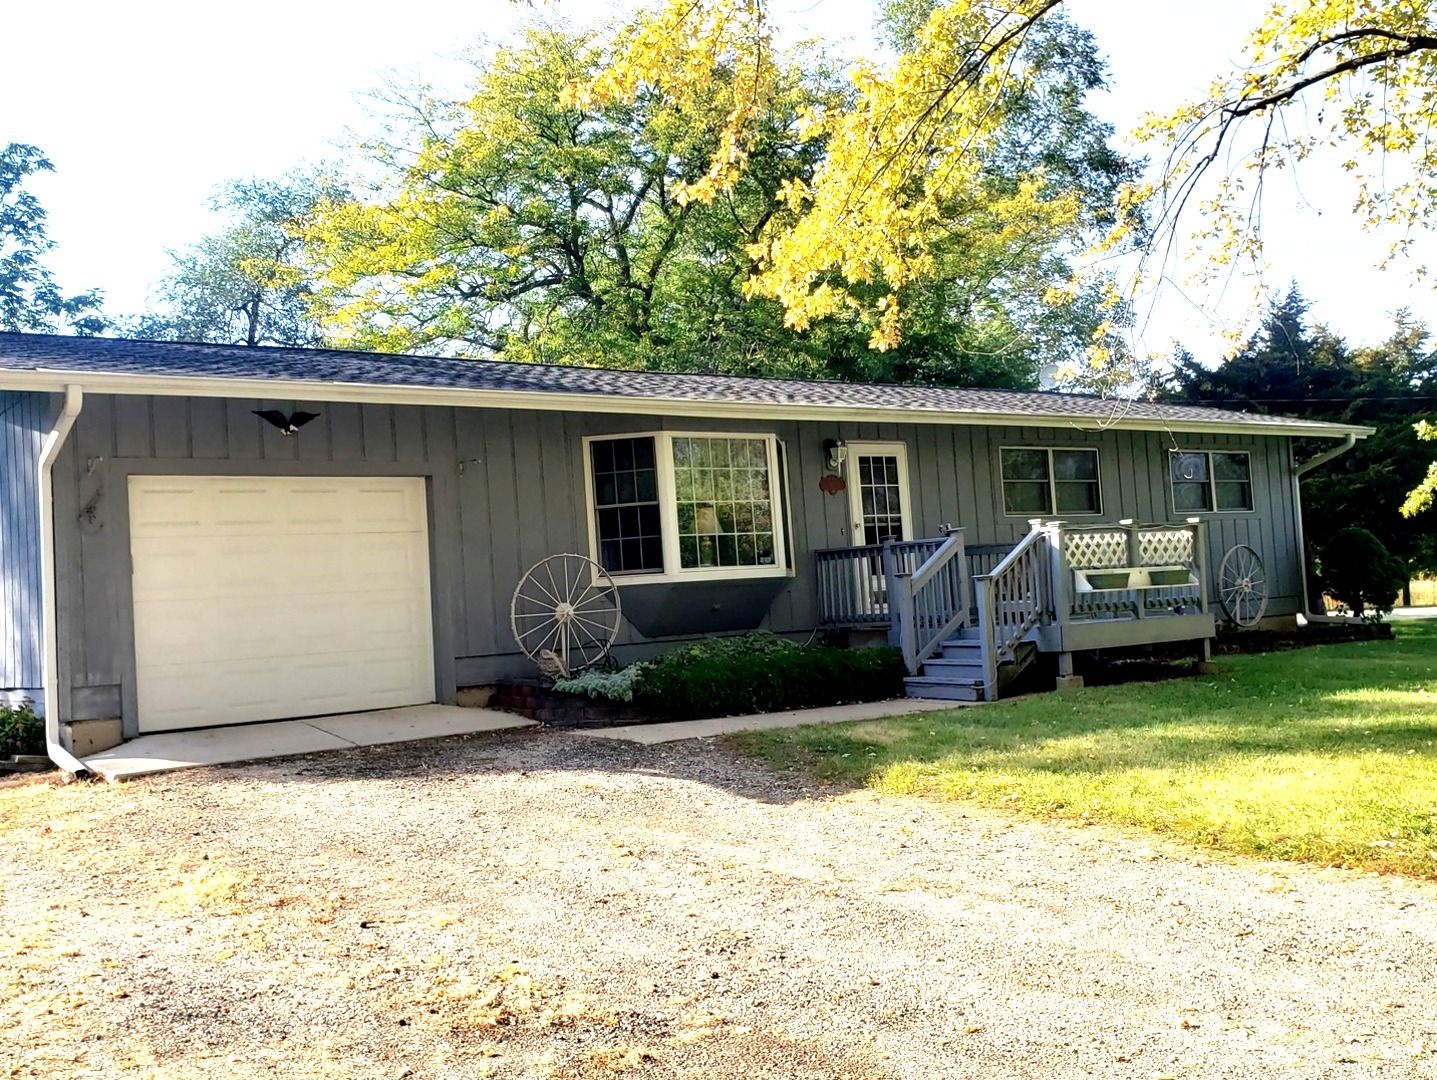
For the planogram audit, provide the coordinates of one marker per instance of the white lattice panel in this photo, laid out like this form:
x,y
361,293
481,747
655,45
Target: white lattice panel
x,y
1166,547
1096,550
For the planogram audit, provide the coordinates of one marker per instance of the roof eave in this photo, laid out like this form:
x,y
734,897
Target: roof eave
x,y
50,380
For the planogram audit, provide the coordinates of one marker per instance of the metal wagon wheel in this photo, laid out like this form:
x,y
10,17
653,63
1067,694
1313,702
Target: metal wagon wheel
x,y
565,614
1242,586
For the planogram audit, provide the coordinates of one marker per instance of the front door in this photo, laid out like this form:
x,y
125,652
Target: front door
x,y
878,512
878,492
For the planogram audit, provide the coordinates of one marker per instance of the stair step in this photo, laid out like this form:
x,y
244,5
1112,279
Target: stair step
x,y
963,669
919,686
962,650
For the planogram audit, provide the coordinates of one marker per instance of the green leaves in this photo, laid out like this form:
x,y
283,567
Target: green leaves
x,y
249,283
29,298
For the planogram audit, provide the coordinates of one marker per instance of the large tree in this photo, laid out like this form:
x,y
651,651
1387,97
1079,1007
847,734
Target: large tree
x,y
30,300
1359,76
246,284
519,224
1292,367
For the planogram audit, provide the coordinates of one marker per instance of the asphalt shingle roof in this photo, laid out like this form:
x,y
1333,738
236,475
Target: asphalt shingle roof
x,y
94,356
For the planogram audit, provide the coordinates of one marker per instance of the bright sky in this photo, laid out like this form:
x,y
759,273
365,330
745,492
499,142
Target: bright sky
x,y
144,108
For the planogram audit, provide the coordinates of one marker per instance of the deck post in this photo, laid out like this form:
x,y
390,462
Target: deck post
x,y
1062,592
1135,558
1204,657
1066,679
1199,528
890,593
987,615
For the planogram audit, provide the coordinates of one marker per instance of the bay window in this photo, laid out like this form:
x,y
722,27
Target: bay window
x,y
679,506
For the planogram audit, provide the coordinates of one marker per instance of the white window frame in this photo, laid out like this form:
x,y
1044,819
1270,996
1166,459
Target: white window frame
x,y
858,448
669,510
1211,481
1052,483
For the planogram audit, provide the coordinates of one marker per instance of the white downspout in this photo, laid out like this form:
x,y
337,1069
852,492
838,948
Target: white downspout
x,y
1327,455
1298,472
60,431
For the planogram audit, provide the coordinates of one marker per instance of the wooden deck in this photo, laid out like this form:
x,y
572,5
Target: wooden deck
x,y
961,614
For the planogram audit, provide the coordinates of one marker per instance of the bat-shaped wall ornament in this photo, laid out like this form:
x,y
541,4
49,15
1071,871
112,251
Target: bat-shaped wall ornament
x,y
288,425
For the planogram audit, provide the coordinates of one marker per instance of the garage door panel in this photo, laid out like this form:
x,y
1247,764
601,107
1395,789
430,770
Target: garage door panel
x,y
260,598
255,627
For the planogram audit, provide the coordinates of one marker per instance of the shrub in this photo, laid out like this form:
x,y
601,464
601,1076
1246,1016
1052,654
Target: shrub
x,y
21,731
764,673
616,685
1360,572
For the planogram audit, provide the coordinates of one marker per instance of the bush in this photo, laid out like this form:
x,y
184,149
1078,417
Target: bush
x,y
21,731
761,673
1360,572
616,685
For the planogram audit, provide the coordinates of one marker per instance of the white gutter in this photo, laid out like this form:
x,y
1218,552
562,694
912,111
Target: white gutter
x,y
60,431
1298,472
1117,418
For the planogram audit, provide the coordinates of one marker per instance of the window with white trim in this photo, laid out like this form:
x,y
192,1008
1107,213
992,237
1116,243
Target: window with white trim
x,y
1050,480
626,505
1210,480
680,505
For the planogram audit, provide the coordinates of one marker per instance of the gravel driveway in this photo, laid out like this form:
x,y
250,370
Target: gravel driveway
x,y
546,905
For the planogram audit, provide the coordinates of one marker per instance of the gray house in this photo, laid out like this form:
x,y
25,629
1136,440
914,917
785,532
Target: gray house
x,y
170,559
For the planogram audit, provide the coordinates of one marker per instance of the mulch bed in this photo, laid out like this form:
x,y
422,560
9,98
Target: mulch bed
x,y
1230,642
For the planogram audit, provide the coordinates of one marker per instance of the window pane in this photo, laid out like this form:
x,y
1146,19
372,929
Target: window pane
x,y
1188,467
1026,498
763,544
1075,465
1077,498
723,487
626,509
1232,495
1230,467
1025,464
1189,497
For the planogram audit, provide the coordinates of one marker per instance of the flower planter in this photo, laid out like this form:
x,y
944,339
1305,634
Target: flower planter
x,y
1108,579
1170,578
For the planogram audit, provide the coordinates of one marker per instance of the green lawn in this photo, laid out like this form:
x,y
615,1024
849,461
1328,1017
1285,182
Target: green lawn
x,y
1326,754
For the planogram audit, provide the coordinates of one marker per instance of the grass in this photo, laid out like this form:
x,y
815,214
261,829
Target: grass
x,y
1424,592
1324,755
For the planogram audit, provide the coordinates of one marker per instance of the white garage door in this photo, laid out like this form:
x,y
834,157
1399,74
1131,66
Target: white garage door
x,y
258,598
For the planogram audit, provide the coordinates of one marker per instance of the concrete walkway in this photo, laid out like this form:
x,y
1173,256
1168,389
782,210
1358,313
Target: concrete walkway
x,y
1414,613
651,734
281,738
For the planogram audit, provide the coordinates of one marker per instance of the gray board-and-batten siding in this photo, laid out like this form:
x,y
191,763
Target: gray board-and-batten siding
x,y
23,421
507,488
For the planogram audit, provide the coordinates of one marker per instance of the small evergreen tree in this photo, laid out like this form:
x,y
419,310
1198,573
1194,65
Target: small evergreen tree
x,y
1360,572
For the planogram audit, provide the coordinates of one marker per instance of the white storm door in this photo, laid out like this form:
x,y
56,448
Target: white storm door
x,y
878,511
259,598
878,492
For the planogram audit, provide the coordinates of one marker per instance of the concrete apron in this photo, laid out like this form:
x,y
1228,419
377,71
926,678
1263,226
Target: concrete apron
x,y
283,738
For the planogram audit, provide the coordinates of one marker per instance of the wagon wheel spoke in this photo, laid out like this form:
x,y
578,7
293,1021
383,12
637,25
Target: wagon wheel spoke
x,y
600,626
546,627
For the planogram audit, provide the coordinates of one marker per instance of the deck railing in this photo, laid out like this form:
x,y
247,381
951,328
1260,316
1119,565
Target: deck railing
x,y
1129,545
1013,599
983,559
932,602
855,583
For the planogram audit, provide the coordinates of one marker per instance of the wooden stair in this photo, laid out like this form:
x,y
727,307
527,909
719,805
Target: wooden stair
x,y
956,673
